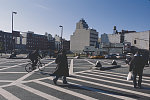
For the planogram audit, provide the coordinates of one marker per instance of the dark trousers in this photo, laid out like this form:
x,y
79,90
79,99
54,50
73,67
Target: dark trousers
x,y
34,62
139,79
64,78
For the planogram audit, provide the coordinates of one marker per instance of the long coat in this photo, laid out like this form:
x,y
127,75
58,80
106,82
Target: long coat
x,y
62,65
137,64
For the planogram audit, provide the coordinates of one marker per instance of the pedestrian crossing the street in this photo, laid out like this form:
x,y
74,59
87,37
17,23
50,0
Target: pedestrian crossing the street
x,y
85,84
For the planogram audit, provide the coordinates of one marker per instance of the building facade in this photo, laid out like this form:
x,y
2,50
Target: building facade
x,y
6,42
83,36
139,40
66,45
57,42
33,41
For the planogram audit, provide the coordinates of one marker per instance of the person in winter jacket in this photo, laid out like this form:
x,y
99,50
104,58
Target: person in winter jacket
x,y
62,67
137,65
34,58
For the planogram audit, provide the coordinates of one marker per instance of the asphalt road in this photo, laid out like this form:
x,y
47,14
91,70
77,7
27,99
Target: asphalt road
x,y
85,81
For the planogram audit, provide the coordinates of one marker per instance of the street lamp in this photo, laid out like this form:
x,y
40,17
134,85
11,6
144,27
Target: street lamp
x,y
61,36
12,30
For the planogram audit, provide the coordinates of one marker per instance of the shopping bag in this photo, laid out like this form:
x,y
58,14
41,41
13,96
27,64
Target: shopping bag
x,y
129,77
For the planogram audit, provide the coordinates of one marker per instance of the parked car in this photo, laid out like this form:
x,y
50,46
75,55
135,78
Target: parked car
x,y
120,56
110,56
97,57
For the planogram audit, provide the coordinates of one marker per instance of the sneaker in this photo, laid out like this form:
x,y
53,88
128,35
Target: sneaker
x,y
135,86
55,82
65,82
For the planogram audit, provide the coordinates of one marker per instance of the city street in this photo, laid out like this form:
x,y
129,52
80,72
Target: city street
x,y
85,81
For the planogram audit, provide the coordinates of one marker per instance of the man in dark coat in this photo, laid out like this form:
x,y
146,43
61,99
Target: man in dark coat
x,y
62,67
137,65
34,58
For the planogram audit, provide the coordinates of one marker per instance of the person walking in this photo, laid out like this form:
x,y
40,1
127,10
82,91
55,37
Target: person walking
x,y
137,65
62,67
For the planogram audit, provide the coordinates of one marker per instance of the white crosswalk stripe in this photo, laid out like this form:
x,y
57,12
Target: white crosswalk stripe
x,y
95,76
44,95
107,86
95,82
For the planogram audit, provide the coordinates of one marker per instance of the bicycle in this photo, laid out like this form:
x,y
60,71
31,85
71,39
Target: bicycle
x,y
40,65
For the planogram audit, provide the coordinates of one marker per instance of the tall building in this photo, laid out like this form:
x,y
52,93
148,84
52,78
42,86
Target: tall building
x,y
83,36
51,42
57,42
66,44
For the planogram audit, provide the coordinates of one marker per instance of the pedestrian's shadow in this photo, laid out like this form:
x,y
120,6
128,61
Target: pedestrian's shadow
x,y
49,74
145,88
111,92
70,86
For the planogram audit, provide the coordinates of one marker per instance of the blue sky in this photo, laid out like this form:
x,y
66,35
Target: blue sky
x,y
43,16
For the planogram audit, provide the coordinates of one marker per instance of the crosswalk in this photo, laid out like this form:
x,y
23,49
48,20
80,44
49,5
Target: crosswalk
x,y
83,85
91,85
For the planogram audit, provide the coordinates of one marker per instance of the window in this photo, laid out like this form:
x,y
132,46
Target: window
x,y
134,41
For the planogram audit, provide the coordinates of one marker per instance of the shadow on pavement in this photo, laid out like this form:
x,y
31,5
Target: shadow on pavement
x,y
72,86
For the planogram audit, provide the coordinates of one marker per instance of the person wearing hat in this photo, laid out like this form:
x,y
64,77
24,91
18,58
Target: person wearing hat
x,y
62,67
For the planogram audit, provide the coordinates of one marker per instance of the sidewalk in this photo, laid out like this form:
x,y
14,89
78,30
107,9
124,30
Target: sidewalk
x,y
19,56
3,55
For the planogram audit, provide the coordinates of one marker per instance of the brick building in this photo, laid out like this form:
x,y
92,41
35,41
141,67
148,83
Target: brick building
x,y
6,42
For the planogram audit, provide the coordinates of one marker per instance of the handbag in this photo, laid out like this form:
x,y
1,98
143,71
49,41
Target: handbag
x,y
129,77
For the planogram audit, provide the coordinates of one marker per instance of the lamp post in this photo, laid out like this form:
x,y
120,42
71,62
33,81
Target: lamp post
x,y
61,36
13,44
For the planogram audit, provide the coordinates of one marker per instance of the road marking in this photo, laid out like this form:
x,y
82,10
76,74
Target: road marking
x,y
120,74
8,95
89,62
103,80
83,71
111,87
18,81
91,89
71,67
37,92
114,72
27,75
102,92
6,80
9,61
82,67
66,91
13,72
117,75
13,66
105,76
